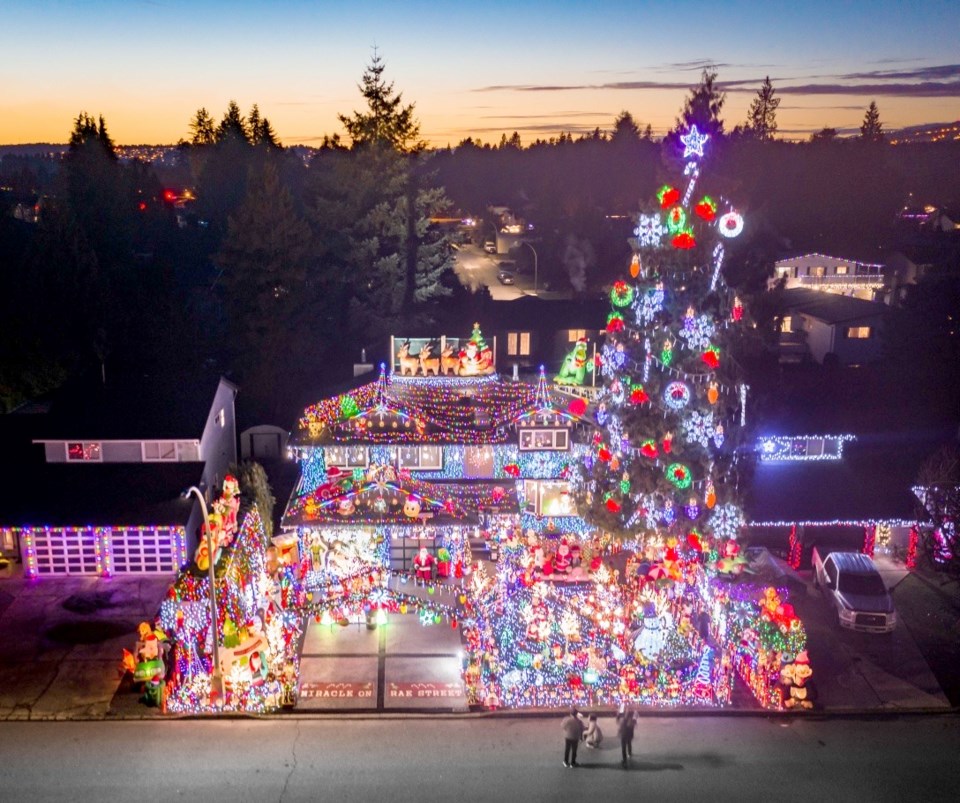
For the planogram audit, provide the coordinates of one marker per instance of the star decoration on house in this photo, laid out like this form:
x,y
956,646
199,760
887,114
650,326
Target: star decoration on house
x,y
693,142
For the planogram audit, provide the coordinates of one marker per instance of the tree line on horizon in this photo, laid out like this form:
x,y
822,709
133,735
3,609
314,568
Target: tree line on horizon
x,y
295,268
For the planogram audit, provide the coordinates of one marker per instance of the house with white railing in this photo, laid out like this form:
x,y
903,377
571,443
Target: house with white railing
x,y
849,277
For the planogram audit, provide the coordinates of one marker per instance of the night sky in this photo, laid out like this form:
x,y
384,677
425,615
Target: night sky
x,y
477,69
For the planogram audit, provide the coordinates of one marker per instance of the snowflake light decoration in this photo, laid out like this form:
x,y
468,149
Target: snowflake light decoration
x,y
648,304
698,428
693,142
613,357
726,521
649,231
697,330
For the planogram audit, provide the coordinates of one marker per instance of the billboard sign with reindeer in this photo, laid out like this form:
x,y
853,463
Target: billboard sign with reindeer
x,y
440,356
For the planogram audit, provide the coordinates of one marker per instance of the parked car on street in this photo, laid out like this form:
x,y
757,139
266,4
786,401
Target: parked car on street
x,y
853,586
506,277
490,247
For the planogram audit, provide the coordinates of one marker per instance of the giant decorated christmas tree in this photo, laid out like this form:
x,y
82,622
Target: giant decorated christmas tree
x,y
671,405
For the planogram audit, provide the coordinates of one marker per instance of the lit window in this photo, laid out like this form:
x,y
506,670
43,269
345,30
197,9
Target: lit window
x,y
787,325
346,456
423,458
573,335
842,270
222,418
537,439
84,451
518,344
549,498
858,332
159,451
820,271
785,272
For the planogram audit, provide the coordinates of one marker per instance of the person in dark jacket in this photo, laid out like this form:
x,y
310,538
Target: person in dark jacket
x,y
572,733
625,724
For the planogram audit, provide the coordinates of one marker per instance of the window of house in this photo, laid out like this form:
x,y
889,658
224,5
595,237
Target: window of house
x,y
518,344
819,271
346,456
422,458
159,450
842,270
787,325
84,451
858,332
478,462
573,335
785,272
222,417
549,498
536,439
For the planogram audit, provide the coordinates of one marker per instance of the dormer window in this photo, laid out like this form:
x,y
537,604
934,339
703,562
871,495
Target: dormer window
x,y
544,439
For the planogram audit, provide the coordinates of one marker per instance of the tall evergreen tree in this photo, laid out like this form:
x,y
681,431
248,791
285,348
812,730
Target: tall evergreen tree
x,y
871,130
202,129
703,107
261,131
263,264
670,407
386,121
372,211
762,115
625,129
233,126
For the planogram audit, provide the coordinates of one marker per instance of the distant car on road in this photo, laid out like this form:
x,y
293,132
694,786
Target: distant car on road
x,y
853,586
506,277
490,247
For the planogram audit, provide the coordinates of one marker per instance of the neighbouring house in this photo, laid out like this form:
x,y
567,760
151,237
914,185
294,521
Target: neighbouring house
x,y
841,490
532,331
841,275
96,479
827,326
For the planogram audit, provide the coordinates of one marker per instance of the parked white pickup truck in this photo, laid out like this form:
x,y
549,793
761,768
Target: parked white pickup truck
x,y
854,587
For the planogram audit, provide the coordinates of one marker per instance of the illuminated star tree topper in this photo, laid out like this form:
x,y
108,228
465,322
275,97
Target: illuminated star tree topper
x,y
693,142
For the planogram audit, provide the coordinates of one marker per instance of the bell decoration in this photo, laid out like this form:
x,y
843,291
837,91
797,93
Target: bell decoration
x,y
713,393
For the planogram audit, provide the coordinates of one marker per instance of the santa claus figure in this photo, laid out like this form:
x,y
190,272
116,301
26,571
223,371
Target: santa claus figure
x,y
563,559
423,563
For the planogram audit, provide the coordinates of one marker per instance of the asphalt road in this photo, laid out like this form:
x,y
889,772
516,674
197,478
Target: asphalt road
x,y
715,758
476,269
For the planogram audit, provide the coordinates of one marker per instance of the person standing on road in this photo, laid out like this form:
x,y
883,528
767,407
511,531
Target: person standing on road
x,y
625,724
572,733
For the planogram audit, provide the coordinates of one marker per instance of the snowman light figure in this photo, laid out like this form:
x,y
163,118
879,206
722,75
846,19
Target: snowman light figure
x,y
651,638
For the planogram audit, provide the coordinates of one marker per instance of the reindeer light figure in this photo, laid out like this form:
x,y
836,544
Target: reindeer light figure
x,y
449,361
408,363
427,362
